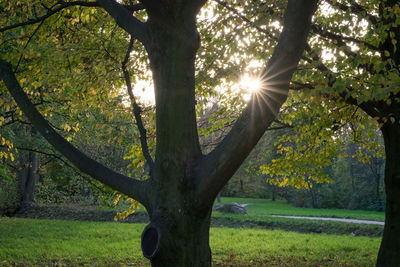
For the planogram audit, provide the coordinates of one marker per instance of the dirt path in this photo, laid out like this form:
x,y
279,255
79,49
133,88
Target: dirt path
x,y
331,219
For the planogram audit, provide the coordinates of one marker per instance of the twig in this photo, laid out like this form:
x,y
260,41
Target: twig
x,y
136,109
27,42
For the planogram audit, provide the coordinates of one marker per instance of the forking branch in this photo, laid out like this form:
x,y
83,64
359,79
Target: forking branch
x,y
217,167
125,20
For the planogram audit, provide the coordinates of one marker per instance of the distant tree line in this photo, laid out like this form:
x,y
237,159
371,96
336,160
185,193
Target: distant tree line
x,y
356,176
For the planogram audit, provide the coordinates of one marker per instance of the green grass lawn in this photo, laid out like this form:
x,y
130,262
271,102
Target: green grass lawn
x,y
262,207
71,243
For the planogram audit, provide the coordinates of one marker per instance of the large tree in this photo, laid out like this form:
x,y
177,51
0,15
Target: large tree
x,y
183,182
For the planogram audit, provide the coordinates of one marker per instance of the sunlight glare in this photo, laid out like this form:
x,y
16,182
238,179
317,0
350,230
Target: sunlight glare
x,y
250,84
144,91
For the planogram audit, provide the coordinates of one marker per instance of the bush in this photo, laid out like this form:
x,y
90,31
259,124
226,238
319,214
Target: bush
x,y
64,190
359,201
9,197
378,205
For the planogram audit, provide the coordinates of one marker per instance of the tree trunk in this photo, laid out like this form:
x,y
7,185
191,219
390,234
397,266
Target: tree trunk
x,y
273,192
313,198
353,182
390,245
377,186
178,233
31,181
27,178
177,237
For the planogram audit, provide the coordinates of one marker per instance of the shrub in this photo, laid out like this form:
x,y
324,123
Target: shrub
x,y
9,197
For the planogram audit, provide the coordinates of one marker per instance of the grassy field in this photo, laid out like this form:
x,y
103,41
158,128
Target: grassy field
x,y
71,243
301,226
262,207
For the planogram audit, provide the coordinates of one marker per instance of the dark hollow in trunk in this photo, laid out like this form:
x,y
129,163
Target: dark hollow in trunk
x,y
150,241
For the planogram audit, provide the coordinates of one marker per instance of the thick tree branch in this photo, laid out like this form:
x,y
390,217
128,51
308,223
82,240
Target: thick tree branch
x,y
283,125
295,85
340,40
215,169
62,5
355,9
125,20
368,106
117,181
159,9
154,7
137,110
49,13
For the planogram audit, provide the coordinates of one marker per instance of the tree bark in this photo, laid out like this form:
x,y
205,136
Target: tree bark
x,y
377,187
31,181
390,245
353,181
178,235
27,178
273,191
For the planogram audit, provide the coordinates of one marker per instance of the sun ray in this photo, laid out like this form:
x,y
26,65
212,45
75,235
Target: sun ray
x,y
250,84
